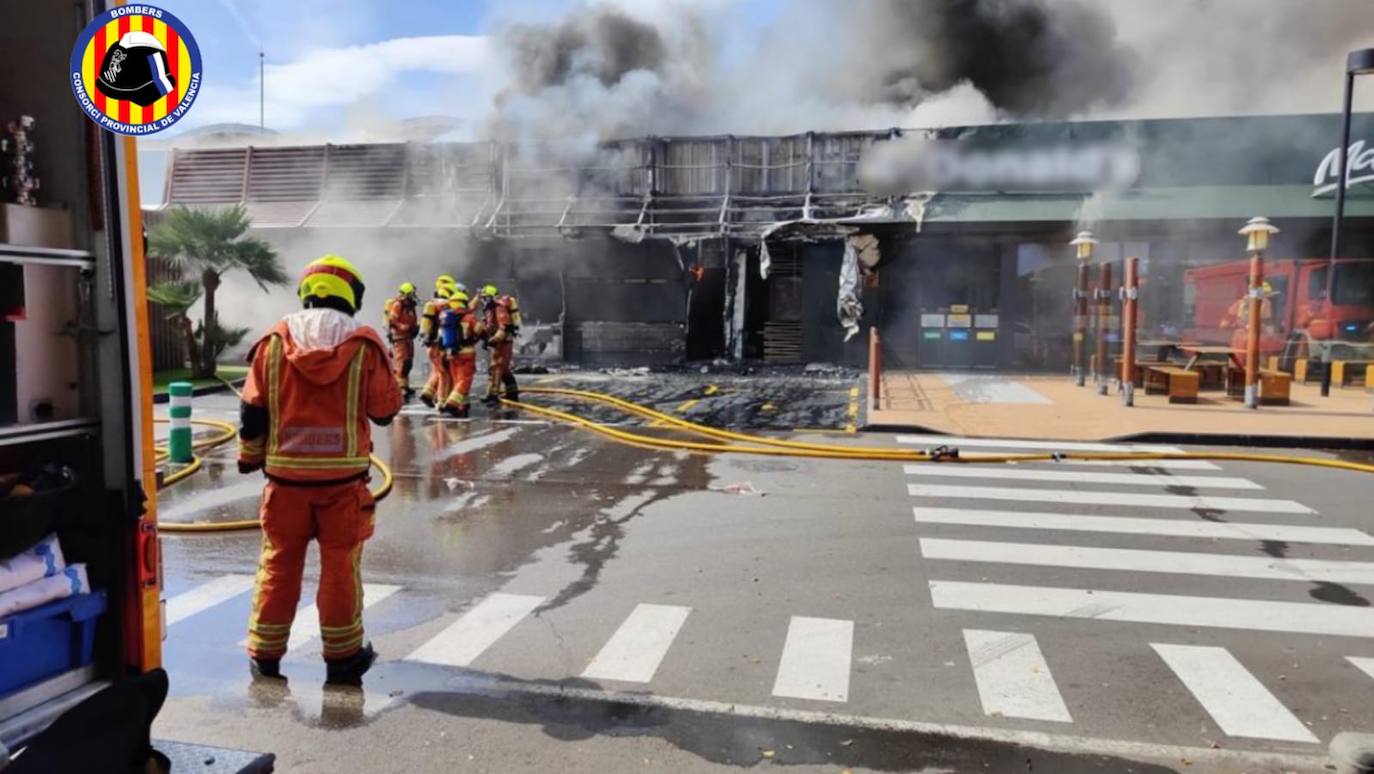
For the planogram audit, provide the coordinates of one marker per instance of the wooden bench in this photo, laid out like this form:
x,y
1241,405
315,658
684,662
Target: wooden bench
x,y
1180,384
1348,372
1275,387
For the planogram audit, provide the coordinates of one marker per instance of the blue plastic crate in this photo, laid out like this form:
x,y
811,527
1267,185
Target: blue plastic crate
x,y
48,640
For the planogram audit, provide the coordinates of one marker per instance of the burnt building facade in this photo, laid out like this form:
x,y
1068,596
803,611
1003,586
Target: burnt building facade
x,y
953,242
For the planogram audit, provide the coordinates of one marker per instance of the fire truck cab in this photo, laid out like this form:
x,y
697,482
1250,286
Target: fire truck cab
x,y
1302,322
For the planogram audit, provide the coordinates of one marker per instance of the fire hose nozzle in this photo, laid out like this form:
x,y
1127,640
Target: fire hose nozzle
x,y
943,453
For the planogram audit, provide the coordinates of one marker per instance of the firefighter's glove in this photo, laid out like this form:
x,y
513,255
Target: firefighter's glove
x,y
246,467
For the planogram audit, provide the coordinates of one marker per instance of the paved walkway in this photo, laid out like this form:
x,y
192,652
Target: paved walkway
x,y
1052,407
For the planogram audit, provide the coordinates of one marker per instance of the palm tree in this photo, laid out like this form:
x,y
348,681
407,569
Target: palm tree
x,y
210,243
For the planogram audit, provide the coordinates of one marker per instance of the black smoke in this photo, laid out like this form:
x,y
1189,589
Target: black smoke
x,y
1030,58
602,43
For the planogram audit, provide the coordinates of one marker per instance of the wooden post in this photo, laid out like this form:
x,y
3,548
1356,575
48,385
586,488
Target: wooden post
x,y
1104,313
1128,323
875,367
1080,323
1252,333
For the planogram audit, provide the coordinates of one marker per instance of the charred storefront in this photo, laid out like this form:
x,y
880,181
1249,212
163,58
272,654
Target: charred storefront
x,y
953,242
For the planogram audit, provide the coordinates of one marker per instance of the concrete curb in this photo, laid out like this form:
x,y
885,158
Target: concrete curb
x,y
209,389
1191,439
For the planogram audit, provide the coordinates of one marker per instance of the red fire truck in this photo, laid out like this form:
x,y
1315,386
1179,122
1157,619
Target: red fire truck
x,y
1302,322
76,420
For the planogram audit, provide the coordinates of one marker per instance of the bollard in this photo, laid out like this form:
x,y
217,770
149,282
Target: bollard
x,y
1352,753
179,409
1080,323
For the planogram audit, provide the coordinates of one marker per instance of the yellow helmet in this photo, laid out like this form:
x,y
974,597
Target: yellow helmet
x,y
458,299
1267,288
331,276
407,289
490,290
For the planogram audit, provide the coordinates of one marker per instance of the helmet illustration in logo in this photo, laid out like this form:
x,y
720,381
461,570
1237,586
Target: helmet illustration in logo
x,y
135,69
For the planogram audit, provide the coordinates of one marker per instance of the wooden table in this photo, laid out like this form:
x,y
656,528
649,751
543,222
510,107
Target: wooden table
x,y
1211,360
1163,347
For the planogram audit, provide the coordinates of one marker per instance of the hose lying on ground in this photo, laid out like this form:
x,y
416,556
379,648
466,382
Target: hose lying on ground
x,y
752,444
227,434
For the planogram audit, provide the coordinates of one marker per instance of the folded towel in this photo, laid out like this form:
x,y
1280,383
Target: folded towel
x,y
44,560
71,580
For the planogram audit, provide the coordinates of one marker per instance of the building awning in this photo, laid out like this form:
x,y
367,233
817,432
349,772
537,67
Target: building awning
x,y
1186,203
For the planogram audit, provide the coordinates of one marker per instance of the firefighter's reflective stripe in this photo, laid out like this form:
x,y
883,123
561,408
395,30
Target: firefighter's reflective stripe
x,y
355,378
349,457
274,359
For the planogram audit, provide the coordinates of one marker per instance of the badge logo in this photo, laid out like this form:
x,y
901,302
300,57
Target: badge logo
x,y
135,70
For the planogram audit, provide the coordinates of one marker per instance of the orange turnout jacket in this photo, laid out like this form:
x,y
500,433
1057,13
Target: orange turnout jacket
x,y
321,377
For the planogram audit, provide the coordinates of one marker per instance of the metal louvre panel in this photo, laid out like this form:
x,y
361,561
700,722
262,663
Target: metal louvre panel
x,y
278,214
207,176
365,172
286,174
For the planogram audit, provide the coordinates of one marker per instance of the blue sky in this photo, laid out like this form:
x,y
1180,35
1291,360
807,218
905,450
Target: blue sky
x,y
431,54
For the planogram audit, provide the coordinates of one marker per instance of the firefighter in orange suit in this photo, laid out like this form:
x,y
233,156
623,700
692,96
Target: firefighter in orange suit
x,y
438,387
459,332
499,329
317,379
402,326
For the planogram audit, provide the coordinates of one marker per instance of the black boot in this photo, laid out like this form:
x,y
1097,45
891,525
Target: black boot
x,y
428,400
350,671
265,668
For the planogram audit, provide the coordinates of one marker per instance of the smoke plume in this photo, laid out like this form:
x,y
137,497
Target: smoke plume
x,y
1030,58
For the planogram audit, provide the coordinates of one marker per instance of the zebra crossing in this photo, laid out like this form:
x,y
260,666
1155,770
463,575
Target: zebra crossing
x,y
1012,671
1012,676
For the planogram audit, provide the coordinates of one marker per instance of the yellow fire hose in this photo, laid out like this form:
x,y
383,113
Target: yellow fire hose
x,y
776,447
725,441
226,434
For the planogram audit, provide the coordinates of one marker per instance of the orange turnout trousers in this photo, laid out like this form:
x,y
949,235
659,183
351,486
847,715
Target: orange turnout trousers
x,y
402,357
340,517
440,383
462,367
500,377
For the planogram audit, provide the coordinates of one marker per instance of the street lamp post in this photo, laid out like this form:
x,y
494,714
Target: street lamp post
x,y
1083,244
1257,232
1357,63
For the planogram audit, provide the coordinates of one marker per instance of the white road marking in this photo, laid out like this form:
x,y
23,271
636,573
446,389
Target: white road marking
x,y
1161,464
1094,497
1016,443
474,443
206,596
305,628
815,660
464,640
637,648
1203,757
1013,679
1139,560
1126,525
1239,703
1168,609
1014,473
1365,665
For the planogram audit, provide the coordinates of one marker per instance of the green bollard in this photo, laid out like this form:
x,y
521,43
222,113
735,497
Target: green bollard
x,y
179,409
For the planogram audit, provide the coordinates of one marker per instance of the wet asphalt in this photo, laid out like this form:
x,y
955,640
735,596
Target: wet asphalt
x,y
509,504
